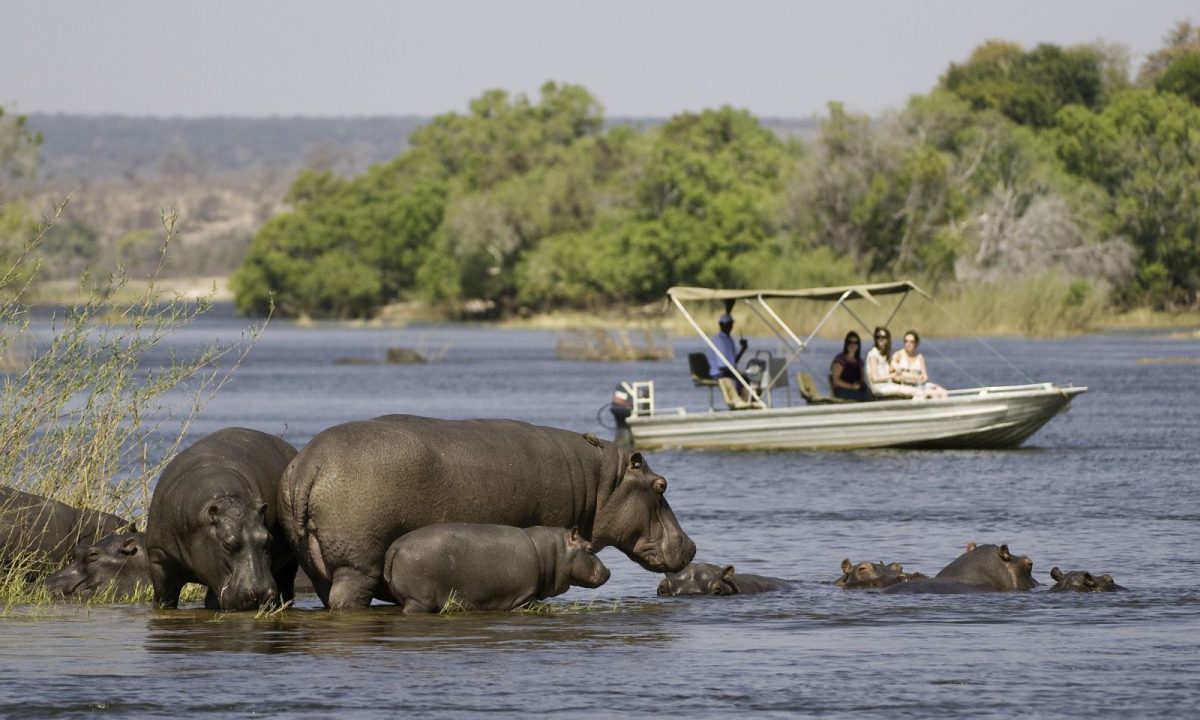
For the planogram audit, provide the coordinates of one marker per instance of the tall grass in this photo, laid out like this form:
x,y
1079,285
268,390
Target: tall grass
x,y
87,417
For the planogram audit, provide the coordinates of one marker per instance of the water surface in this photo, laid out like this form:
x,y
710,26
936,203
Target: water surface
x,y
1109,486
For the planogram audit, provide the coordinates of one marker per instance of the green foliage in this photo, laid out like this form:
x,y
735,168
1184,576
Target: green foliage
x,y
1182,78
1144,151
1029,87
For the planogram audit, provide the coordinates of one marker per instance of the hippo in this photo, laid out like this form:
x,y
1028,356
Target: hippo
x,y
709,579
488,567
982,568
37,529
358,486
213,520
117,561
873,575
1082,581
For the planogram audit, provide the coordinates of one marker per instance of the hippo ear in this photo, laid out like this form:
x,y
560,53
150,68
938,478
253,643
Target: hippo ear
x,y
129,547
970,546
573,536
727,572
896,566
214,513
1056,574
1005,555
262,512
847,566
636,462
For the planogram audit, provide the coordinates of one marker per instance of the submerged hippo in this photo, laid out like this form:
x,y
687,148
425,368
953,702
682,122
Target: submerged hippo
x,y
117,562
488,567
34,529
213,521
873,575
1082,581
358,486
982,568
709,579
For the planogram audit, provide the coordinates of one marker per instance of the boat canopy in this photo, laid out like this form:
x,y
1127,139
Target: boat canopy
x,y
828,294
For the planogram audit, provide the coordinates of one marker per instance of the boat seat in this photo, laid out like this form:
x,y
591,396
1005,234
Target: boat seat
x,y
729,391
699,367
810,393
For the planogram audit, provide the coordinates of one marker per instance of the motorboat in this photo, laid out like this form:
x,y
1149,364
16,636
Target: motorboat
x,y
758,412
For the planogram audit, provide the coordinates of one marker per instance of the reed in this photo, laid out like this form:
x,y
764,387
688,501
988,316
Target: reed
x,y
90,417
611,345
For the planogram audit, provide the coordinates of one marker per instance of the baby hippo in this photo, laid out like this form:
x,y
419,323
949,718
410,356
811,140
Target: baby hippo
x,y
873,575
488,567
1082,581
709,579
117,561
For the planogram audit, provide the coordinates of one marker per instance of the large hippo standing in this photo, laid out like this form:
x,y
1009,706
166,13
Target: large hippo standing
x,y
488,567
358,486
117,562
710,579
213,520
982,568
37,529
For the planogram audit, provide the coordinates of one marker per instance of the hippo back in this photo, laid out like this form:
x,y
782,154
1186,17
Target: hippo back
x,y
32,525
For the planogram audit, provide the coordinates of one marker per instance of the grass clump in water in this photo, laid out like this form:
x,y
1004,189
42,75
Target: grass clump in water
x,y
91,412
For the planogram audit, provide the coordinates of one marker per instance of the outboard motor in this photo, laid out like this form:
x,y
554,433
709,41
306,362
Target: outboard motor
x,y
621,408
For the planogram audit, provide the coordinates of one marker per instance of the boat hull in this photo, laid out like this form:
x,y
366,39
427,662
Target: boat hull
x,y
999,417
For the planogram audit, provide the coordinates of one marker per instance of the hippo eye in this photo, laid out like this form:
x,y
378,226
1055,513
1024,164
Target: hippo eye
x,y
588,549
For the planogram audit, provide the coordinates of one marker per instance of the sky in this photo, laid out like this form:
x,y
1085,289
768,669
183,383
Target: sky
x,y
654,58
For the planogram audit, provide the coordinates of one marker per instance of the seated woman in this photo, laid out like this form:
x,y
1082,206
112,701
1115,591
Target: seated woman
x,y
846,372
909,366
882,378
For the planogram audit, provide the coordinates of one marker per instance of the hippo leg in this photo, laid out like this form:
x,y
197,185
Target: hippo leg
x,y
167,585
413,607
350,589
285,580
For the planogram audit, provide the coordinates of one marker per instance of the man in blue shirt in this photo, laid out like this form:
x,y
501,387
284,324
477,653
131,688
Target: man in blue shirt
x,y
724,342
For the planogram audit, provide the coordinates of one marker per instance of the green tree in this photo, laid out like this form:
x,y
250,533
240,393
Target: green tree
x,y
1143,149
1029,87
1182,78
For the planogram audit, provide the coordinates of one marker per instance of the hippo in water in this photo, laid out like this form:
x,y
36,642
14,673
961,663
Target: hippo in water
x,y
358,486
709,579
117,562
982,568
488,567
37,529
213,521
873,575
1082,581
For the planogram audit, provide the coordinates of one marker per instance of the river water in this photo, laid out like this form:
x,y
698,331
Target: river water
x,y
1110,486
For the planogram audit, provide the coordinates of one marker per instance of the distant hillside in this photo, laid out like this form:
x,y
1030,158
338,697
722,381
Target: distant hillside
x,y
226,176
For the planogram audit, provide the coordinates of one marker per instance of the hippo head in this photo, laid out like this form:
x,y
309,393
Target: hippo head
x,y
116,561
699,579
1082,581
585,568
992,566
636,518
873,575
233,555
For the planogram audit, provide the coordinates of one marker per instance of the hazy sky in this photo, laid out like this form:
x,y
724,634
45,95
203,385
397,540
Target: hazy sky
x,y
649,57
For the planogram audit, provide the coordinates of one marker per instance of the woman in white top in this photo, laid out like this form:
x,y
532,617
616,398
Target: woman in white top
x,y
882,377
908,367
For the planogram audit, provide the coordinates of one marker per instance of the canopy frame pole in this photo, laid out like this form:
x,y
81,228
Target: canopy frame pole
x,y
708,341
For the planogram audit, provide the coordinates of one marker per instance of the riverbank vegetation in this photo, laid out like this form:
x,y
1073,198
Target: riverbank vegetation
x,y
1048,175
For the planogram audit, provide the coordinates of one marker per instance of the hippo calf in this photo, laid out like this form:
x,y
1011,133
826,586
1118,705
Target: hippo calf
x,y
1082,581
38,529
358,486
982,568
213,521
873,575
709,579
488,567
117,562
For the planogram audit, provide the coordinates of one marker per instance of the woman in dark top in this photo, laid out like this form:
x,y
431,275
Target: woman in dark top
x,y
846,372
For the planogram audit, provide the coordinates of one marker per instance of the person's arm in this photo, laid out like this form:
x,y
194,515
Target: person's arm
x,y
742,345
835,376
919,371
878,369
